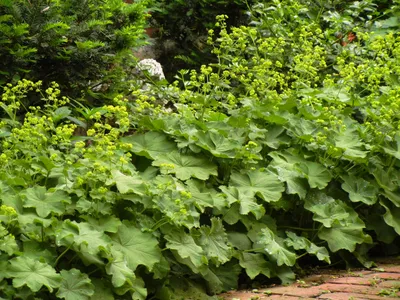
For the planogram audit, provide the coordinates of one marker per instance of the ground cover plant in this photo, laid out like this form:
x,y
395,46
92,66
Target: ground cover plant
x,y
285,151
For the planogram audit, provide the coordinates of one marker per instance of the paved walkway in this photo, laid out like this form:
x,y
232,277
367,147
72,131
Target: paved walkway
x,y
382,283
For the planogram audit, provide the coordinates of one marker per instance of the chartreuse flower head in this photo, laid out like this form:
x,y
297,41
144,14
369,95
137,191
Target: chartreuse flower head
x,y
7,210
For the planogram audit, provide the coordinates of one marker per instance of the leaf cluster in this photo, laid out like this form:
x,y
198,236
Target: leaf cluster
x,y
78,44
286,149
182,29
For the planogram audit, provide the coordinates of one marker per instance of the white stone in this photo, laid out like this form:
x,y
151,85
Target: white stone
x,y
152,66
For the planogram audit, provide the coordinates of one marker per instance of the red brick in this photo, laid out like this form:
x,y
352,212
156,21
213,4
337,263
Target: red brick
x,y
384,275
387,284
347,296
390,268
321,278
315,291
352,280
249,296
358,273
287,297
365,284
349,288
242,295
295,291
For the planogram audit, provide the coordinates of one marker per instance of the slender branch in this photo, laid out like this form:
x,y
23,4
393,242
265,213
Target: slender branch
x,y
62,254
298,228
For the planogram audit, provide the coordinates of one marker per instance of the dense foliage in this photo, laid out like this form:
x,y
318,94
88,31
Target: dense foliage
x,y
285,151
79,44
182,29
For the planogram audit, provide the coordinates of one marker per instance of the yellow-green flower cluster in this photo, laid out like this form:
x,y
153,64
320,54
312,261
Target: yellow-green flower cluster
x,y
34,134
311,58
7,211
14,94
185,194
146,104
120,114
52,96
373,75
62,135
3,158
107,126
166,168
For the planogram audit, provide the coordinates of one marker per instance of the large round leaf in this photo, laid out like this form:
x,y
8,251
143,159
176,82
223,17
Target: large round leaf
x,y
185,166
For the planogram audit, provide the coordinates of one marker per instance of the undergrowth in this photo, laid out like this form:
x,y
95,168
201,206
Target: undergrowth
x,y
286,148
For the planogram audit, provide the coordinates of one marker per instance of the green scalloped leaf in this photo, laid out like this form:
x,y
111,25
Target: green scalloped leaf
x,y
213,239
344,237
217,144
83,236
185,166
7,242
222,278
263,184
32,273
45,202
394,148
129,183
119,271
286,166
301,243
360,190
75,285
102,290
343,229
317,175
349,141
138,248
151,144
203,197
186,247
273,245
245,199
392,216
255,264
326,209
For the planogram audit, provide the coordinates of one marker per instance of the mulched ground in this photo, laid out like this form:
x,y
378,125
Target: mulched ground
x,y
382,282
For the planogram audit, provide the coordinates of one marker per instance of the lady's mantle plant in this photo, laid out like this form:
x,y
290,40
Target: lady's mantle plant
x,y
303,130
284,150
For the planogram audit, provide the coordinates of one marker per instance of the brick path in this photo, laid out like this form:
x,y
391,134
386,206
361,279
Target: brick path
x,y
382,283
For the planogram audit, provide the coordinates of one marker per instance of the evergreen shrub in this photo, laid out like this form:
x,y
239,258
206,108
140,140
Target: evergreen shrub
x,y
78,44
